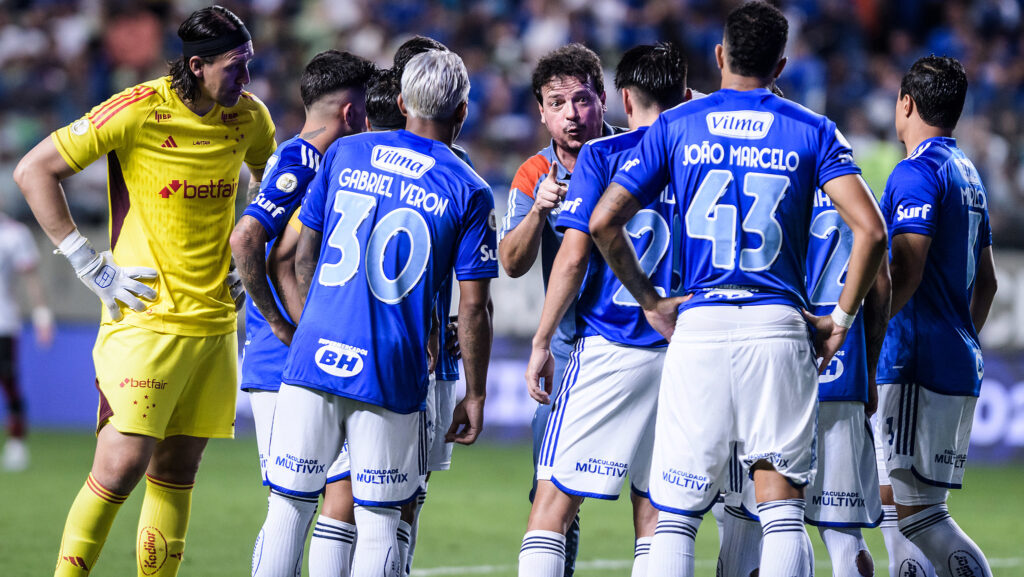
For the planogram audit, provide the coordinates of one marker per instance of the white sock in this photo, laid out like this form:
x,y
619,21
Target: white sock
x,y
404,537
740,552
785,546
542,554
278,548
718,512
377,547
950,550
420,499
904,557
641,553
672,547
330,550
848,552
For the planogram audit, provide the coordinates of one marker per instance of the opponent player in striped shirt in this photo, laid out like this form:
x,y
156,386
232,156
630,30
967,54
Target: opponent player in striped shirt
x,y
397,211
166,370
602,424
943,283
333,88
743,166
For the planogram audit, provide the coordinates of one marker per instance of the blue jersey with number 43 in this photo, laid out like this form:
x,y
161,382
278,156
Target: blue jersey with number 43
x,y
605,307
743,167
828,255
936,192
398,212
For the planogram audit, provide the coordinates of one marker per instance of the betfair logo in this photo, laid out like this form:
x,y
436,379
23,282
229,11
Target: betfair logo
x,y
213,189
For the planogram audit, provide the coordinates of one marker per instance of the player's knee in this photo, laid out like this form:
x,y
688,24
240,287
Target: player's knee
x,y
865,564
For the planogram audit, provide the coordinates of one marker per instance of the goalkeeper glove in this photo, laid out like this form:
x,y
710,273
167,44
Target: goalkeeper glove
x,y
110,282
234,282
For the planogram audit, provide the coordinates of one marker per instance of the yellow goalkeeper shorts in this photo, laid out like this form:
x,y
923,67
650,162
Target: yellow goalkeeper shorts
x,y
160,385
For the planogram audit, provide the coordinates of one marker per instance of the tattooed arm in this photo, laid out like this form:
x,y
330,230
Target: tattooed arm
x,y
876,319
249,246
306,256
254,185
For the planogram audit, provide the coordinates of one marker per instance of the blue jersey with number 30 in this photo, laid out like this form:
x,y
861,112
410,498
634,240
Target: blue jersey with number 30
x,y
743,167
936,192
828,255
605,307
398,212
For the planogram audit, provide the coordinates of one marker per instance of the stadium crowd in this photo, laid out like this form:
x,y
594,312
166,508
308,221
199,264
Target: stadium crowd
x,y
61,57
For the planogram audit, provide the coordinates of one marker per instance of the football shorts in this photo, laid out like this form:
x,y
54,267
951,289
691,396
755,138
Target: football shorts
x,y
440,410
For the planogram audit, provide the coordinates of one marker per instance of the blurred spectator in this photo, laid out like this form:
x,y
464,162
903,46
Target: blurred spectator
x,y
61,57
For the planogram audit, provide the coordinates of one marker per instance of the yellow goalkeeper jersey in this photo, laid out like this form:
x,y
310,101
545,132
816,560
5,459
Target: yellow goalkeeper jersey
x,y
172,177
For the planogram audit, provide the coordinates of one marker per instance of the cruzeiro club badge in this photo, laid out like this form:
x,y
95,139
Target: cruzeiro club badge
x,y
287,182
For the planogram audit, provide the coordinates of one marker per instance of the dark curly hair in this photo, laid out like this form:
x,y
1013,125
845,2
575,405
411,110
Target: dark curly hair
x,y
656,73
204,24
938,85
333,70
755,39
413,47
382,101
576,61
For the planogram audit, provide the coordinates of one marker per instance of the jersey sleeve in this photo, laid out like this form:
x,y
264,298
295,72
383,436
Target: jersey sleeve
x,y
294,223
257,155
835,156
477,241
312,212
645,171
585,189
112,125
282,191
911,200
520,195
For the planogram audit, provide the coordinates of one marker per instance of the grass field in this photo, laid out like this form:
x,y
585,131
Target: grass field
x,y
472,525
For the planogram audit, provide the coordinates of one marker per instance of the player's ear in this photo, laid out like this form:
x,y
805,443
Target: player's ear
x,y
540,109
627,102
604,105
720,56
687,95
195,64
367,121
461,112
347,112
401,106
907,105
780,66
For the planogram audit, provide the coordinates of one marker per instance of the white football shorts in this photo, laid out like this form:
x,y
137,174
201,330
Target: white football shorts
x,y
733,373
602,424
440,408
387,450
844,492
925,433
883,472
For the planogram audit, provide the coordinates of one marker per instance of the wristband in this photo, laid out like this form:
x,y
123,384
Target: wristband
x,y
841,318
78,251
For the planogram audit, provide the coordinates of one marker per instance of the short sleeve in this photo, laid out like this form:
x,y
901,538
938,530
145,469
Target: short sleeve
x,y
645,171
282,190
294,223
312,212
520,195
110,126
585,188
911,200
257,155
477,244
835,156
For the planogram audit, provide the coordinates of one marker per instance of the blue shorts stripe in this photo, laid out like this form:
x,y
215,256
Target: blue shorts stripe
x,y
555,421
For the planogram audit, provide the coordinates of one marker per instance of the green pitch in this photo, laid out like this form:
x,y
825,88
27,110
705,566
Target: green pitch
x,y
472,524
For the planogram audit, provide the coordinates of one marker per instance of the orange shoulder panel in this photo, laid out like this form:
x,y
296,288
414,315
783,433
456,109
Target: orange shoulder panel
x,y
109,109
530,173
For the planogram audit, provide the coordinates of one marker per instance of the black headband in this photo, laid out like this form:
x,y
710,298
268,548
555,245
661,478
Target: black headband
x,y
214,46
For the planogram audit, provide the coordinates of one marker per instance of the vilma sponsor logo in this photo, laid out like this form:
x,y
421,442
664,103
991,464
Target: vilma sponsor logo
x,y
213,189
150,383
400,161
339,359
912,212
152,550
745,124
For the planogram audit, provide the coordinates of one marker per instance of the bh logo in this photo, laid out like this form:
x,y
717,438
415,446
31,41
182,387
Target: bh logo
x,y
338,359
833,371
105,277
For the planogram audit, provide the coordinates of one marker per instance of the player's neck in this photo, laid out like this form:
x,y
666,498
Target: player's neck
x,y
567,158
732,81
641,118
200,106
439,131
320,134
920,132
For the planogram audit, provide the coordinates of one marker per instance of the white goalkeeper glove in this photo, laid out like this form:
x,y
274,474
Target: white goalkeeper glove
x,y
110,282
234,282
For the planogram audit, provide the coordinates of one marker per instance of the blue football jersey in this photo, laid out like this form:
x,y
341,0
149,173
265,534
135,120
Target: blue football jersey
x,y
604,306
743,167
936,191
398,212
289,172
828,255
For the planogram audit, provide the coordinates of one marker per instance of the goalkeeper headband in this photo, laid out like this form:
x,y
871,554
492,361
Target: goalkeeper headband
x,y
214,46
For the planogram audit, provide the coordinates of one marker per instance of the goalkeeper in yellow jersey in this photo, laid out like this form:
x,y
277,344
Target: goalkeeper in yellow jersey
x,y
166,352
